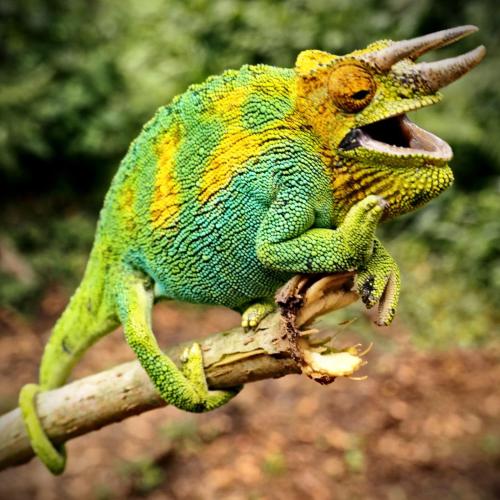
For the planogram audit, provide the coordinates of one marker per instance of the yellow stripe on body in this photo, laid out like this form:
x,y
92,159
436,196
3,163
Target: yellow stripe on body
x,y
166,201
126,202
239,144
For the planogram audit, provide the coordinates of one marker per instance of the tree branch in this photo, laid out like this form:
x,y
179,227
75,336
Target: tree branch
x,y
231,358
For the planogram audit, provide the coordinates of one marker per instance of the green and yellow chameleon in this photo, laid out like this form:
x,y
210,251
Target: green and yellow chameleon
x,y
245,180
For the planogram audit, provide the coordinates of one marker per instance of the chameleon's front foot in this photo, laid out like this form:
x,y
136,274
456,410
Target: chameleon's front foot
x,y
379,282
360,224
52,456
255,313
192,393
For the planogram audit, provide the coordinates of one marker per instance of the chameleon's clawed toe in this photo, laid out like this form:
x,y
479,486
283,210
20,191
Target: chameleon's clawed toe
x,y
52,456
379,282
255,313
194,371
366,289
388,301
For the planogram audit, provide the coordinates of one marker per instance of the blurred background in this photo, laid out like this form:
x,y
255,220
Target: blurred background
x,y
77,81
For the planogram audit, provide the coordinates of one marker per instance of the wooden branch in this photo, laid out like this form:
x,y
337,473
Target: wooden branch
x,y
231,358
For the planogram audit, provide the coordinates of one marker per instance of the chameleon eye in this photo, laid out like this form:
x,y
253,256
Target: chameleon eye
x,y
351,87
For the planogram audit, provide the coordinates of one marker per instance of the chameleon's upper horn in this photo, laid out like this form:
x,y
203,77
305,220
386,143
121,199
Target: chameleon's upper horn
x,y
441,73
415,47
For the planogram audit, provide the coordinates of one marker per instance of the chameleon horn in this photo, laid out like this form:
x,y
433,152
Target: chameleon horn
x,y
438,74
415,47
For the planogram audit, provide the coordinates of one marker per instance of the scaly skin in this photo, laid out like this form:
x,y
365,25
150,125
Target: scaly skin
x,y
227,192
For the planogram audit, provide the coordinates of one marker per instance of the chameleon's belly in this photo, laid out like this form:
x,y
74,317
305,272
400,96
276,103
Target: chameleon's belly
x,y
213,269
213,285
212,257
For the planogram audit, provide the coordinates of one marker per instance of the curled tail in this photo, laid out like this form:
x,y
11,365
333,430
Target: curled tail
x,y
89,315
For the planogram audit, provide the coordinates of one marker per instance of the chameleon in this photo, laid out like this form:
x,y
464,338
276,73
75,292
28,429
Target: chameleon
x,y
241,182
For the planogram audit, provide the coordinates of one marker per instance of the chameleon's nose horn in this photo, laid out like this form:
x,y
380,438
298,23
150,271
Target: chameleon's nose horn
x,y
415,47
438,74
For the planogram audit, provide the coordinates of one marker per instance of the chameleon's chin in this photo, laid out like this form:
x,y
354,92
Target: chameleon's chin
x,y
404,189
396,141
416,188
396,159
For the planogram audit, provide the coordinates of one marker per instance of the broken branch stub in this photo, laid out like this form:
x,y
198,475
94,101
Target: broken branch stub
x,y
303,299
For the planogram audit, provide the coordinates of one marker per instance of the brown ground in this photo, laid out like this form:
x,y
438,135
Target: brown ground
x,y
424,425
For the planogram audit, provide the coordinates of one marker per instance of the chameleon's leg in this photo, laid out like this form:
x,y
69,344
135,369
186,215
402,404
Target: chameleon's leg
x,y
255,313
379,281
287,244
290,244
82,323
186,389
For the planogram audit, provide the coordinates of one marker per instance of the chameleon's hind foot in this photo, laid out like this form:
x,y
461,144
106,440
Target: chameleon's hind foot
x,y
184,388
52,456
194,371
255,313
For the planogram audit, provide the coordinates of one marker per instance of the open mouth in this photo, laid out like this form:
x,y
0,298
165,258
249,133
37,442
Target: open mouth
x,y
397,136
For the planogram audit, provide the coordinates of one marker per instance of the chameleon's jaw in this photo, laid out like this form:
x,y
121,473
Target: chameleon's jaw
x,y
415,161
397,138
393,140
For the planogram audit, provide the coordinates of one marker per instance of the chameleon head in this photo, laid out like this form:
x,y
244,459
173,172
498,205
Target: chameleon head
x,y
358,104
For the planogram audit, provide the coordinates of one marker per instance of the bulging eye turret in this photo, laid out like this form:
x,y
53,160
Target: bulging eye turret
x,y
351,87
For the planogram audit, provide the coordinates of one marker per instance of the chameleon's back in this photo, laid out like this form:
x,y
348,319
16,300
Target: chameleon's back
x,y
186,203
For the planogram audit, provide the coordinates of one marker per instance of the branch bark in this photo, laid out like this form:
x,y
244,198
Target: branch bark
x,y
231,358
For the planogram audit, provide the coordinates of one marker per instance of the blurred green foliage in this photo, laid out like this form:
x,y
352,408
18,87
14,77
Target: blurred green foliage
x,y
56,250
143,476
78,79
450,258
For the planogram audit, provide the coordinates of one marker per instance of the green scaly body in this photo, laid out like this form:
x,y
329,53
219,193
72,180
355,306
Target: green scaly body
x,y
238,184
